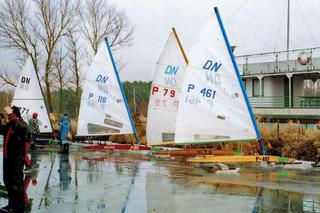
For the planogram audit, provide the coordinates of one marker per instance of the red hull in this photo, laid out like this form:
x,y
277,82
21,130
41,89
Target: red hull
x,y
116,147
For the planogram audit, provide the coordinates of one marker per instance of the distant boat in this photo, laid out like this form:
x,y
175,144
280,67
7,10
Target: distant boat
x,y
104,109
28,97
212,105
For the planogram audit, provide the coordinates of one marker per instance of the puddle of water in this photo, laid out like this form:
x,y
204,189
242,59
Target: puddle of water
x,y
124,182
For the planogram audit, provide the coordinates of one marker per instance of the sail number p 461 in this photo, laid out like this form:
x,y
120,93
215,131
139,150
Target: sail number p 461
x,y
205,92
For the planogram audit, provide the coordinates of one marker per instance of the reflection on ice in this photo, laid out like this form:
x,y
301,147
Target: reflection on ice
x,y
126,182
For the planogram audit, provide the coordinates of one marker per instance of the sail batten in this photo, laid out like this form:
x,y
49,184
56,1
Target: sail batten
x,y
29,98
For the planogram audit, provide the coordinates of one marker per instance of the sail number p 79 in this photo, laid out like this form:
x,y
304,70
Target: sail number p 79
x,y
205,92
165,91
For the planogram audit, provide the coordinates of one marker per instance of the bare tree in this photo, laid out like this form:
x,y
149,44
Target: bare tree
x,y
8,78
101,20
59,60
75,57
43,31
53,18
16,29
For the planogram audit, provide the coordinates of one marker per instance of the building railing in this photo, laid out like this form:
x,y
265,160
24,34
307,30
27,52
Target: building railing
x,y
283,102
300,60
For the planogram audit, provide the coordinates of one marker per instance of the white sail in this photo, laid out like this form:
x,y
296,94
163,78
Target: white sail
x,y
165,91
28,97
212,105
102,108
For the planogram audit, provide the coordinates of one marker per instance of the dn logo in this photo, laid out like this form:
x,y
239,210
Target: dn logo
x,y
102,79
25,80
212,66
171,70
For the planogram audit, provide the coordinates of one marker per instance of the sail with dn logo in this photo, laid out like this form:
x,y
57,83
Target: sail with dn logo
x,y
29,98
103,108
213,105
165,91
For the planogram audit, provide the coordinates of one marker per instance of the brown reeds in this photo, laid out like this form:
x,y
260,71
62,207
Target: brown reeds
x,y
289,140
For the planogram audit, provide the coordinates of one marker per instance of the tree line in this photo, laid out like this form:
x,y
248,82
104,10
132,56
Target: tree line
x,y
68,101
60,37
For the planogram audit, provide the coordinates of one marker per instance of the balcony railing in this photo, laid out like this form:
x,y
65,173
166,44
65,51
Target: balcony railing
x,y
283,102
300,60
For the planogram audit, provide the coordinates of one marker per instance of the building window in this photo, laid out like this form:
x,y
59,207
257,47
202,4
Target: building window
x,y
311,87
256,88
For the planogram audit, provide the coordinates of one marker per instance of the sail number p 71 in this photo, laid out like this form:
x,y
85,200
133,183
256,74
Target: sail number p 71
x,y
205,92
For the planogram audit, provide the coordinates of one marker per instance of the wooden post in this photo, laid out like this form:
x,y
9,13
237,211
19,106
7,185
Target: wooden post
x,y
278,128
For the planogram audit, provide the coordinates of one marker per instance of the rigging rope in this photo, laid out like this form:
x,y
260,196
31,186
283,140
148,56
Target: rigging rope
x,y
237,10
307,24
279,28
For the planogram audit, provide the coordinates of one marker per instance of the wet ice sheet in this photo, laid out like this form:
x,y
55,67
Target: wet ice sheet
x,y
122,182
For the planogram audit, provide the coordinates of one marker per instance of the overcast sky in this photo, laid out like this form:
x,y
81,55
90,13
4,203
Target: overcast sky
x,y
252,25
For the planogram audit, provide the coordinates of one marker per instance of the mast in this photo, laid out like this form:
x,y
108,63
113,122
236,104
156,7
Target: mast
x,y
288,30
45,104
180,45
263,149
122,92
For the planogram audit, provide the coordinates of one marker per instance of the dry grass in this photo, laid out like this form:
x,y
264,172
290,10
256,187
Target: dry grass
x,y
289,141
140,124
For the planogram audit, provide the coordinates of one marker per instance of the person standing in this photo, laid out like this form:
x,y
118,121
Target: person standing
x,y
34,128
15,136
65,128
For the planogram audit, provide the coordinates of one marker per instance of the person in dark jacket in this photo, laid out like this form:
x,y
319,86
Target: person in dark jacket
x,y
15,137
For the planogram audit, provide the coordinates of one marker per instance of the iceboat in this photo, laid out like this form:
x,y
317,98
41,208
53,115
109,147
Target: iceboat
x,y
104,110
209,104
28,96
164,100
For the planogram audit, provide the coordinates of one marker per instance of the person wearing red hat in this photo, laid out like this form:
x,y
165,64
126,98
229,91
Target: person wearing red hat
x,y
15,136
34,127
34,130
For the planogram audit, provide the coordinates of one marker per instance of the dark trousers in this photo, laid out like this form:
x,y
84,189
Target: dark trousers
x,y
34,140
13,180
65,148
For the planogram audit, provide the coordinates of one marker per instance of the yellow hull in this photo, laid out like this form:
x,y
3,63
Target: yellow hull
x,y
240,159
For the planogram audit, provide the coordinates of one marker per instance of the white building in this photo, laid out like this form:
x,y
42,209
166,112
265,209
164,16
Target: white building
x,y
284,85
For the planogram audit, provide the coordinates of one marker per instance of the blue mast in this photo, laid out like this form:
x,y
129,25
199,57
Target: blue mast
x,y
263,149
122,91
